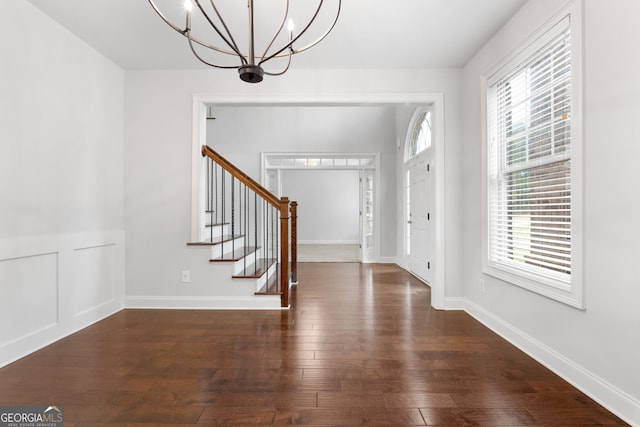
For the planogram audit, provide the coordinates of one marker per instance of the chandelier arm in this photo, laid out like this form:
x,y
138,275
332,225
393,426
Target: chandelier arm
x,y
290,44
183,32
195,53
248,70
169,23
236,49
323,36
284,20
231,45
286,68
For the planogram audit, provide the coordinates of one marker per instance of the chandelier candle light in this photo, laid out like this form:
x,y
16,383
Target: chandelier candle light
x,y
206,15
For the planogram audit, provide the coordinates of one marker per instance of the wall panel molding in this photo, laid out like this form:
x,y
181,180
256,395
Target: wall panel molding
x,y
94,277
54,285
29,295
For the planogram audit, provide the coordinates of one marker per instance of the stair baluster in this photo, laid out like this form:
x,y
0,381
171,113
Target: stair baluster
x,y
257,239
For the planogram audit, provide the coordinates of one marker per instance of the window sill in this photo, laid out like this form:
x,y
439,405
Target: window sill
x,y
566,293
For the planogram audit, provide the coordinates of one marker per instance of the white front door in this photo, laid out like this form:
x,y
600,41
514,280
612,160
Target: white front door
x,y
420,233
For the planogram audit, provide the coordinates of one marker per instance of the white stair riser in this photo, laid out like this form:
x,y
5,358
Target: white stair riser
x,y
222,271
215,231
227,247
247,262
260,282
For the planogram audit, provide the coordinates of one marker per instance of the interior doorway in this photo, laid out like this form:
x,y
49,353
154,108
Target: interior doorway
x,y
435,100
337,202
328,213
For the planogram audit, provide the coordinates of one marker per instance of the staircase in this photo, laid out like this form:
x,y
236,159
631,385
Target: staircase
x,y
249,230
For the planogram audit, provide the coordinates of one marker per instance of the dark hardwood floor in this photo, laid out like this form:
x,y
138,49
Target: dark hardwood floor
x,y
360,346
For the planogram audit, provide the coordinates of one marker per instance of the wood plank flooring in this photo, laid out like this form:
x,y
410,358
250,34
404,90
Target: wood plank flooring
x,y
360,346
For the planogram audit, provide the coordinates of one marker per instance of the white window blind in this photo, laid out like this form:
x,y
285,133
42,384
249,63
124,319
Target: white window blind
x,y
529,162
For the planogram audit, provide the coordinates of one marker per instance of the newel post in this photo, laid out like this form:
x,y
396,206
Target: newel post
x,y
284,251
294,242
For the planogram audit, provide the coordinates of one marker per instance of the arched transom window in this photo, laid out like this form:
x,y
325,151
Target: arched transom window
x,y
420,135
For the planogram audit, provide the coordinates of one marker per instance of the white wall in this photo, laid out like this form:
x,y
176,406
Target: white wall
x,y
328,204
61,188
241,133
597,349
158,123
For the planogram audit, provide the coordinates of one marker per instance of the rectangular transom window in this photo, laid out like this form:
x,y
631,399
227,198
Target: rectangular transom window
x,y
532,169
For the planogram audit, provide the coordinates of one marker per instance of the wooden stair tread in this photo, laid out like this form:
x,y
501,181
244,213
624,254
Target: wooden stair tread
x,y
237,255
217,224
255,270
216,240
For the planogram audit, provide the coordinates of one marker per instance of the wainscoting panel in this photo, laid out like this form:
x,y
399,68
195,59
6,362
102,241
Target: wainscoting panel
x,y
28,295
95,278
54,285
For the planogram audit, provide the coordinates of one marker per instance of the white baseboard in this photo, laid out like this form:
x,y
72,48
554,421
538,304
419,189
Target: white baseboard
x,y
454,303
615,400
388,260
31,343
258,302
328,242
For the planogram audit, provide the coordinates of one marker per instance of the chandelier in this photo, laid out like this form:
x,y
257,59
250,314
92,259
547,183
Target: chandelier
x,y
203,21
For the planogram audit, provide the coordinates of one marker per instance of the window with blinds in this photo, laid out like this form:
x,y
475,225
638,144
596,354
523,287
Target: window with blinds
x,y
529,154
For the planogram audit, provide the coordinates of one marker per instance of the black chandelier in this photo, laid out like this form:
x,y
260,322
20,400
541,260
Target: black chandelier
x,y
250,66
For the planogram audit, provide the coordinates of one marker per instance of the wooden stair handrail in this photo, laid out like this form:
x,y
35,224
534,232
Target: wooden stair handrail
x,y
287,213
243,177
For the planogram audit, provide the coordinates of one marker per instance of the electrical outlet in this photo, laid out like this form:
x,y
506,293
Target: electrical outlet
x,y
186,277
482,286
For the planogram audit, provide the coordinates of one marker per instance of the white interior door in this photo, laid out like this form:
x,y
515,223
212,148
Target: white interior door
x,y
419,218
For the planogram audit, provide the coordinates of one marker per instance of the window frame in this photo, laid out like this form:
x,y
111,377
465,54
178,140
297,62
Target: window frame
x,y
569,292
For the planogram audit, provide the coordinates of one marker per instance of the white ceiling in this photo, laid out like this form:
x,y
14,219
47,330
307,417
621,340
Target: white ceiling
x,y
369,33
